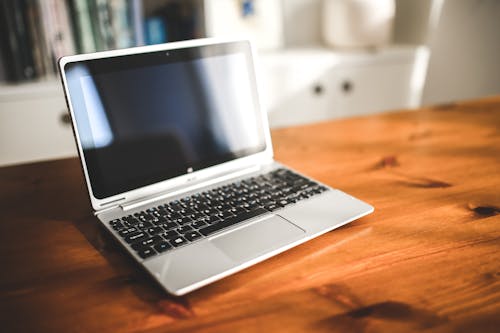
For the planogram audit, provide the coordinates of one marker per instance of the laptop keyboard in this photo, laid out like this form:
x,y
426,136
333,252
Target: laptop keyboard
x,y
176,223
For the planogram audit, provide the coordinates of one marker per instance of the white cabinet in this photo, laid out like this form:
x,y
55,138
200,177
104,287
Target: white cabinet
x,y
34,124
309,85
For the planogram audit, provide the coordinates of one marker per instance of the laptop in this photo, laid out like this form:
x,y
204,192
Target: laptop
x,y
176,152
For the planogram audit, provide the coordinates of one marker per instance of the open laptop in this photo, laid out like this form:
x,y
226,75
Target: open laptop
x,y
177,156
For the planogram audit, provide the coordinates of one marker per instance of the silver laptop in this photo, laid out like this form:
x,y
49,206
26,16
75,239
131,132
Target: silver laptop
x,y
177,156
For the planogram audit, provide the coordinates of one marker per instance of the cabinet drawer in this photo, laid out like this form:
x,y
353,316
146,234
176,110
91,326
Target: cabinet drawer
x,y
305,86
360,90
34,129
344,91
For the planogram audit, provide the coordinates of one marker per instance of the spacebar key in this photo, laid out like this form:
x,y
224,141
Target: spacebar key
x,y
232,220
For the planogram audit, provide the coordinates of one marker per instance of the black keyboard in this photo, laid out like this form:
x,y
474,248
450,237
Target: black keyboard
x,y
182,221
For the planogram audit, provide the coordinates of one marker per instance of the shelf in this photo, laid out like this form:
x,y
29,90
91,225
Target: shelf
x,y
390,53
30,90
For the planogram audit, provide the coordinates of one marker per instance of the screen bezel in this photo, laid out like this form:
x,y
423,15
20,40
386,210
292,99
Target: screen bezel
x,y
188,179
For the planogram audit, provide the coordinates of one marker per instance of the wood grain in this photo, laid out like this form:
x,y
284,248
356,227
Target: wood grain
x,y
427,259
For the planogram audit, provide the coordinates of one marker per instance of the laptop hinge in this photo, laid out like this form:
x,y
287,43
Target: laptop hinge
x,y
172,193
104,210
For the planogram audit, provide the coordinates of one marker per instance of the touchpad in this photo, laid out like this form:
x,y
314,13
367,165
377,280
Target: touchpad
x,y
258,238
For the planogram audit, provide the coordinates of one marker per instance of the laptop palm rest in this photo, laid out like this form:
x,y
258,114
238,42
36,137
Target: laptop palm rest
x,y
258,238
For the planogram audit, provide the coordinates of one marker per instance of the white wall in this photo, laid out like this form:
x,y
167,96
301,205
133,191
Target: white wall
x,y
465,52
302,22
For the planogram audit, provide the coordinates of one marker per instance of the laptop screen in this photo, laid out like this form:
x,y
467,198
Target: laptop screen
x,y
149,117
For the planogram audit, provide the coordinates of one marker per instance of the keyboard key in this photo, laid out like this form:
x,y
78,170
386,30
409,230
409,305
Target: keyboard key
x,y
136,236
144,217
184,220
304,196
170,225
184,229
155,220
143,225
146,252
155,230
212,219
201,207
172,216
170,234
252,205
116,225
130,219
198,224
178,241
146,242
161,220
196,216
209,211
272,207
115,221
225,214
162,247
125,232
283,202
191,236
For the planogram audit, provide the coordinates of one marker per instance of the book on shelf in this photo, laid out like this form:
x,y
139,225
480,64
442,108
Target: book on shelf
x,y
34,34
15,41
137,21
122,24
81,26
36,39
58,37
179,19
155,30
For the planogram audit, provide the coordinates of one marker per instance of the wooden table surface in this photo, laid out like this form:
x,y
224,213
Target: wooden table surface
x,y
427,259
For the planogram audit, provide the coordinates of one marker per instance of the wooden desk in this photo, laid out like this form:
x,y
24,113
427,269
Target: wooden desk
x,y
428,258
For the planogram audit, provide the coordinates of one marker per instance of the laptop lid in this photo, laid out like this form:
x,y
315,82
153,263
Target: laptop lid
x,y
157,118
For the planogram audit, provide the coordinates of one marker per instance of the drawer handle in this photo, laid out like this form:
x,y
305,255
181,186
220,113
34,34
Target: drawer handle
x,y
65,118
347,86
318,89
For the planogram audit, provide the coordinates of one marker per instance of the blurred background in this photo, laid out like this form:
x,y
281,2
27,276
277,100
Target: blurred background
x,y
317,59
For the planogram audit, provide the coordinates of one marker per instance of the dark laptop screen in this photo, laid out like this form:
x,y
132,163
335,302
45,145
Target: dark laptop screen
x,y
148,117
